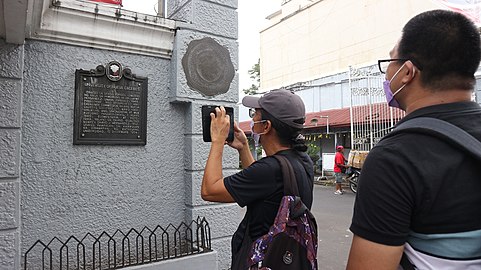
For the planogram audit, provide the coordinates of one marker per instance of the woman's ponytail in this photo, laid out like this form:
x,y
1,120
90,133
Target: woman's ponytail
x,y
288,135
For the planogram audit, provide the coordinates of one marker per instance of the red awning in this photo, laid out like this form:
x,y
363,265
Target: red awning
x,y
113,2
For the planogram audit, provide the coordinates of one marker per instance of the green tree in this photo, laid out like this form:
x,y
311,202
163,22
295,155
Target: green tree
x,y
255,75
313,151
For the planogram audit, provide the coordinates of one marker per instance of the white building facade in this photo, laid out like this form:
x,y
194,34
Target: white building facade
x,y
327,51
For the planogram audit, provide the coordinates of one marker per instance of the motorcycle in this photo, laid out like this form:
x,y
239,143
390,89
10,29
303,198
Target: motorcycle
x,y
353,175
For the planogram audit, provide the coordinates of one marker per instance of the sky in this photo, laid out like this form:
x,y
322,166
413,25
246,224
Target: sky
x,y
252,20
252,14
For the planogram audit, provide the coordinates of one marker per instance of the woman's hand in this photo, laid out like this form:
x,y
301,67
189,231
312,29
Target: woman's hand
x,y
240,139
219,125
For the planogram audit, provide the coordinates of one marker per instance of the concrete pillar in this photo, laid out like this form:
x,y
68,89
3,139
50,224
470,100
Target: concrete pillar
x,y
11,85
215,19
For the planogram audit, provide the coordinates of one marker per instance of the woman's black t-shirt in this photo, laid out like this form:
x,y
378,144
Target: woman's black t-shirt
x,y
260,187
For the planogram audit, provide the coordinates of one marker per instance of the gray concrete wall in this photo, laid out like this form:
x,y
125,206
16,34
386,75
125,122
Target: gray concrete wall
x,y
74,189
216,19
52,188
11,83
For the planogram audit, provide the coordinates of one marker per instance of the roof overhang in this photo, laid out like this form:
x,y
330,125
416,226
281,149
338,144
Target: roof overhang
x,y
86,23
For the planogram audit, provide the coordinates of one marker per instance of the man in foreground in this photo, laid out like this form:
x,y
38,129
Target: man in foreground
x,y
418,194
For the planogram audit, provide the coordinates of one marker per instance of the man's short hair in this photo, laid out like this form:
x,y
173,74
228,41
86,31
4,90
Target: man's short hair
x,y
445,46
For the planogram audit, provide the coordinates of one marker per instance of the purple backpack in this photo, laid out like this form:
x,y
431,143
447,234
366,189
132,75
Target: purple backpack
x,y
291,242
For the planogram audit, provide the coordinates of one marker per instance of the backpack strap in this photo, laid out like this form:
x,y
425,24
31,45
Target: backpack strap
x,y
441,129
290,182
290,188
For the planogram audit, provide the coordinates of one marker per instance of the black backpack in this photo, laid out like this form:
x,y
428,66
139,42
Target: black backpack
x,y
441,129
291,242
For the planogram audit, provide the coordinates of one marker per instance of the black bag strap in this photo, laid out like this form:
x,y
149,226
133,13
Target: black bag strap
x,y
290,188
290,182
442,129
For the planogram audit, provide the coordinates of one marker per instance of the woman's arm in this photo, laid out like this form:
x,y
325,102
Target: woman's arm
x,y
213,188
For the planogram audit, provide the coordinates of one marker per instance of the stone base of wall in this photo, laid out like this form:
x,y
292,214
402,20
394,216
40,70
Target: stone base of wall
x,y
194,262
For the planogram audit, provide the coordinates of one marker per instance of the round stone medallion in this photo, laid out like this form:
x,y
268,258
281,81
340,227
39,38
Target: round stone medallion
x,y
208,67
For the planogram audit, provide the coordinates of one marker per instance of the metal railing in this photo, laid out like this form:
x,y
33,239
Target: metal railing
x,y
118,250
371,117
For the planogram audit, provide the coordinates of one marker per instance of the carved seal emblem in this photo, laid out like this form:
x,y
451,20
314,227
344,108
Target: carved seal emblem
x,y
208,67
114,71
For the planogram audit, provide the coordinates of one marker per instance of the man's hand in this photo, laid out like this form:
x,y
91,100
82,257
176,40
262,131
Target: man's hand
x,y
219,125
213,188
240,139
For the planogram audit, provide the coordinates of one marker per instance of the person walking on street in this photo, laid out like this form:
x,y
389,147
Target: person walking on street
x,y
418,197
277,122
339,168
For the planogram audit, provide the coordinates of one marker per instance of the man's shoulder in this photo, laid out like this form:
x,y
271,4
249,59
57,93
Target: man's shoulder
x,y
271,163
404,139
268,160
465,115
402,144
293,154
267,163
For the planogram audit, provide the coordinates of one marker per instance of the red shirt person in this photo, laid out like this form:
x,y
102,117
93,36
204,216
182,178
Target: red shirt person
x,y
339,164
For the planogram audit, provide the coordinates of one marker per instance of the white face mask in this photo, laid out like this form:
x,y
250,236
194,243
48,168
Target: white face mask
x,y
256,136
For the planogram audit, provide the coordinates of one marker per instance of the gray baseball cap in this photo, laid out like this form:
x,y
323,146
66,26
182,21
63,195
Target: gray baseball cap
x,y
284,105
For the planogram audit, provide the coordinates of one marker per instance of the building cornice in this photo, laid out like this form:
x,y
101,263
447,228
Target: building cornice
x,y
90,24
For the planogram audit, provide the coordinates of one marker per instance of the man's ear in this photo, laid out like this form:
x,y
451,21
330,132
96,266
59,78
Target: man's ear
x,y
409,72
267,126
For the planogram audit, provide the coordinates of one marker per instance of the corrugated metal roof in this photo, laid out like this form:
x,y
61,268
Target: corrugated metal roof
x,y
380,112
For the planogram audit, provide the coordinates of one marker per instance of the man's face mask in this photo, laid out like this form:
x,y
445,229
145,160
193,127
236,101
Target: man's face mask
x,y
256,136
391,101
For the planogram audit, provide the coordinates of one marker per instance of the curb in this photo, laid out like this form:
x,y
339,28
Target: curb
x,y
328,181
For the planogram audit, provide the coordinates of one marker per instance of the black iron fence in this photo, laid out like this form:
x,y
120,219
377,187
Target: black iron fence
x,y
118,250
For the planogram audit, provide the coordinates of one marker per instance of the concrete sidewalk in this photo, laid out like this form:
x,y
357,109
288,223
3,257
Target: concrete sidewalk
x,y
329,180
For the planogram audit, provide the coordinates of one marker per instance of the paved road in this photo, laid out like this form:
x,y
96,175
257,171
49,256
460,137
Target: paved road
x,y
333,214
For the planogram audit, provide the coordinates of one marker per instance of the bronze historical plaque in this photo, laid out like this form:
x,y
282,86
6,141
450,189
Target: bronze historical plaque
x,y
110,106
207,66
